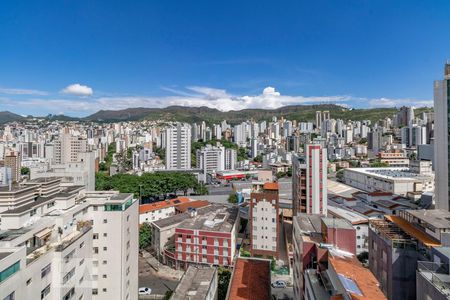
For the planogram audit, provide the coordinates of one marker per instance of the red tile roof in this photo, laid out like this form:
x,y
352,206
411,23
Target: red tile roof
x,y
250,280
271,186
144,208
193,204
367,283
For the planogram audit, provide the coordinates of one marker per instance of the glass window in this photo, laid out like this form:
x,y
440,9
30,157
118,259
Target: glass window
x,y
9,271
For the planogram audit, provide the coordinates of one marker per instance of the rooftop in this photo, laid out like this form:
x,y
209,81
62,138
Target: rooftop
x,y
358,281
183,207
176,219
144,208
438,218
250,280
222,219
391,173
272,186
194,284
351,216
413,231
337,223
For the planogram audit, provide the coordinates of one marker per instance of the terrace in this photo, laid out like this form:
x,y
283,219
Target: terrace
x,y
437,274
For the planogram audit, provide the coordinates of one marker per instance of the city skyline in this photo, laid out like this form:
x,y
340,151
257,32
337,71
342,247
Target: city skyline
x,y
78,58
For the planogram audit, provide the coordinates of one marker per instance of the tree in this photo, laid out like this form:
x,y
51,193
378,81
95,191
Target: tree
x,y
24,171
224,280
379,164
145,235
258,158
201,189
232,198
242,154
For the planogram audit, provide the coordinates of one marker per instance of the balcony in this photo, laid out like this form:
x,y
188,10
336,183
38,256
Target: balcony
x,y
437,274
34,253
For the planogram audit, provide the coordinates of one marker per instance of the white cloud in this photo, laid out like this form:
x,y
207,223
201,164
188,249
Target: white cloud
x,y
8,91
196,96
388,102
78,90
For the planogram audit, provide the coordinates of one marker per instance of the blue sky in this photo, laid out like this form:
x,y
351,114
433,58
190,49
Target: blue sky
x,y
76,57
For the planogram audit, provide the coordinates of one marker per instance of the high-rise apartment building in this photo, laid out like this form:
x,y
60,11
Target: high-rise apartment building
x,y
441,139
12,161
67,147
264,220
178,147
309,181
210,159
65,243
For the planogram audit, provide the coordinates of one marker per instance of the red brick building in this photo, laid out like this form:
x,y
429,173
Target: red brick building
x,y
207,239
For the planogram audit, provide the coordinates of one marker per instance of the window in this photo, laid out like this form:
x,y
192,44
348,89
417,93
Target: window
x,y
95,250
29,281
81,261
45,270
104,290
105,248
105,234
69,256
69,294
105,221
11,296
105,262
105,276
9,271
94,291
81,245
68,276
45,291
81,280
95,236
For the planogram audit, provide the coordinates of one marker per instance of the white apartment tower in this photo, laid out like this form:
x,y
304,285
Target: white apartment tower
x,y
441,139
178,147
316,179
67,148
210,160
68,244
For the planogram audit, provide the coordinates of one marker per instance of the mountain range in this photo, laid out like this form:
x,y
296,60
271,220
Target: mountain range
x,y
211,115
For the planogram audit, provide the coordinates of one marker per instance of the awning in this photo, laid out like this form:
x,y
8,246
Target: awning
x,y
43,233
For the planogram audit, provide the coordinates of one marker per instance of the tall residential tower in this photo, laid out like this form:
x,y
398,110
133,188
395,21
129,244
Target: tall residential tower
x,y
441,134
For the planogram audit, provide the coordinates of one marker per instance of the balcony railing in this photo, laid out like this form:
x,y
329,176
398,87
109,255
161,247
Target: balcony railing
x,y
437,274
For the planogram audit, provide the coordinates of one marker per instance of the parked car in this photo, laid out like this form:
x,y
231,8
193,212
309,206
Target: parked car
x,y
145,291
279,284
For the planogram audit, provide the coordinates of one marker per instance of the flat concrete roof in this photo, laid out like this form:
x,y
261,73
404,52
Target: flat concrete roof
x,y
222,219
438,218
194,284
398,174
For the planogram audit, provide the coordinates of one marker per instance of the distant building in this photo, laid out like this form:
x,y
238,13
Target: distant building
x,y
400,181
264,221
178,147
309,181
13,162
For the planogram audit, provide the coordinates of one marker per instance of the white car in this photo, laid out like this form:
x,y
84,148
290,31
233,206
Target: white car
x,y
145,291
279,284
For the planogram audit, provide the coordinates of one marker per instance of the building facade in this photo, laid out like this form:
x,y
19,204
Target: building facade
x,y
264,221
441,140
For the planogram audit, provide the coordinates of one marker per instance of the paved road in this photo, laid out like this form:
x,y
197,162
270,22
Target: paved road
x,y
148,277
283,294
